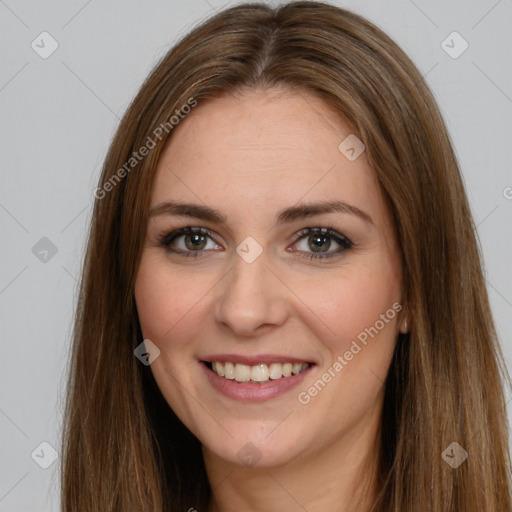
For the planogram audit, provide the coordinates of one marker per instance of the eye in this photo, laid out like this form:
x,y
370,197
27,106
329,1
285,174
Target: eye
x,y
313,242
319,240
189,241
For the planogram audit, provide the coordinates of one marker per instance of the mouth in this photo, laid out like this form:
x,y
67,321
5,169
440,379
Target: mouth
x,y
255,377
255,382
256,374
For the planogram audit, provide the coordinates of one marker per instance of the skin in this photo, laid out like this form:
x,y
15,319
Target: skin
x,y
250,156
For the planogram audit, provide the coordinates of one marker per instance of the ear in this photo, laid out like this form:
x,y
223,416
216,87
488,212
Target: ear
x,y
404,319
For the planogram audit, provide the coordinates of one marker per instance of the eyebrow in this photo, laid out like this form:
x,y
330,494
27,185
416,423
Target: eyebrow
x,y
301,211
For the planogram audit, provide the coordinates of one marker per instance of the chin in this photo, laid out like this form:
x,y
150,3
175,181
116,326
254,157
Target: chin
x,y
257,449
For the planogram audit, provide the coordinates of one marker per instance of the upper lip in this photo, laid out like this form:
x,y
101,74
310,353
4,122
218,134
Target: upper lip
x,y
253,360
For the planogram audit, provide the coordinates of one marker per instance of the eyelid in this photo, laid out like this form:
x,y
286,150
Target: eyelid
x,y
344,242
186,230
167,237
327,230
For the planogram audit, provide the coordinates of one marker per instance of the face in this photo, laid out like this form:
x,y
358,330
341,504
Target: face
x,y
298,304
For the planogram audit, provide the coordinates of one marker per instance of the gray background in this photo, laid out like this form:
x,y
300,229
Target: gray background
x,y
59,114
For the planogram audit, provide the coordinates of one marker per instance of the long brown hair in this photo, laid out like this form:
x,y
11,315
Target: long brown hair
x,y
123,447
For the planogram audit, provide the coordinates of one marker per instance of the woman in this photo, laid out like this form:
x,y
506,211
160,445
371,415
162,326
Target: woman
x,y
282,304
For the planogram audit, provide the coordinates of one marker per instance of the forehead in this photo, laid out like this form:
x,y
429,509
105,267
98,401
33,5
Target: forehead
x,y
266,148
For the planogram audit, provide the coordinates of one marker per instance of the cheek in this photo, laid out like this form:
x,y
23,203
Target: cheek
x,y
361,308
166,304
165,299
360,304
153,298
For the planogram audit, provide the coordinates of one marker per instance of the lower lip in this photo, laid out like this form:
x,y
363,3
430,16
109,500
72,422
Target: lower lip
x,y
247,392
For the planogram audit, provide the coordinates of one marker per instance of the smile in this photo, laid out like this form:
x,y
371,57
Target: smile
x,y
258,373
275,379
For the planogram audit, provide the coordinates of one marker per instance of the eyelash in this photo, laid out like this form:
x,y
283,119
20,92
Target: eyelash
x,y
166,240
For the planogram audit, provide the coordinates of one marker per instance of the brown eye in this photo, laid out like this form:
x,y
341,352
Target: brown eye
x,y
189,241
319,243
315,243
195,241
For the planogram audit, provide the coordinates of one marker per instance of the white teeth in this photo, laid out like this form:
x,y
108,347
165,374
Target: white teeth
x,y
242,373
229,370
287,369
274,371
296,368
219,369
258,373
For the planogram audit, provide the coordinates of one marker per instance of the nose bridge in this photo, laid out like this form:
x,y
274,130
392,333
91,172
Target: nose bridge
x,y
250,297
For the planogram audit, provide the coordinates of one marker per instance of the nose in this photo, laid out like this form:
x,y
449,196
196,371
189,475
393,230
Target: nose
x,y
250,299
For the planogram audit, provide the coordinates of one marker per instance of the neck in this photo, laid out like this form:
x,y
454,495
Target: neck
x,y
341,477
